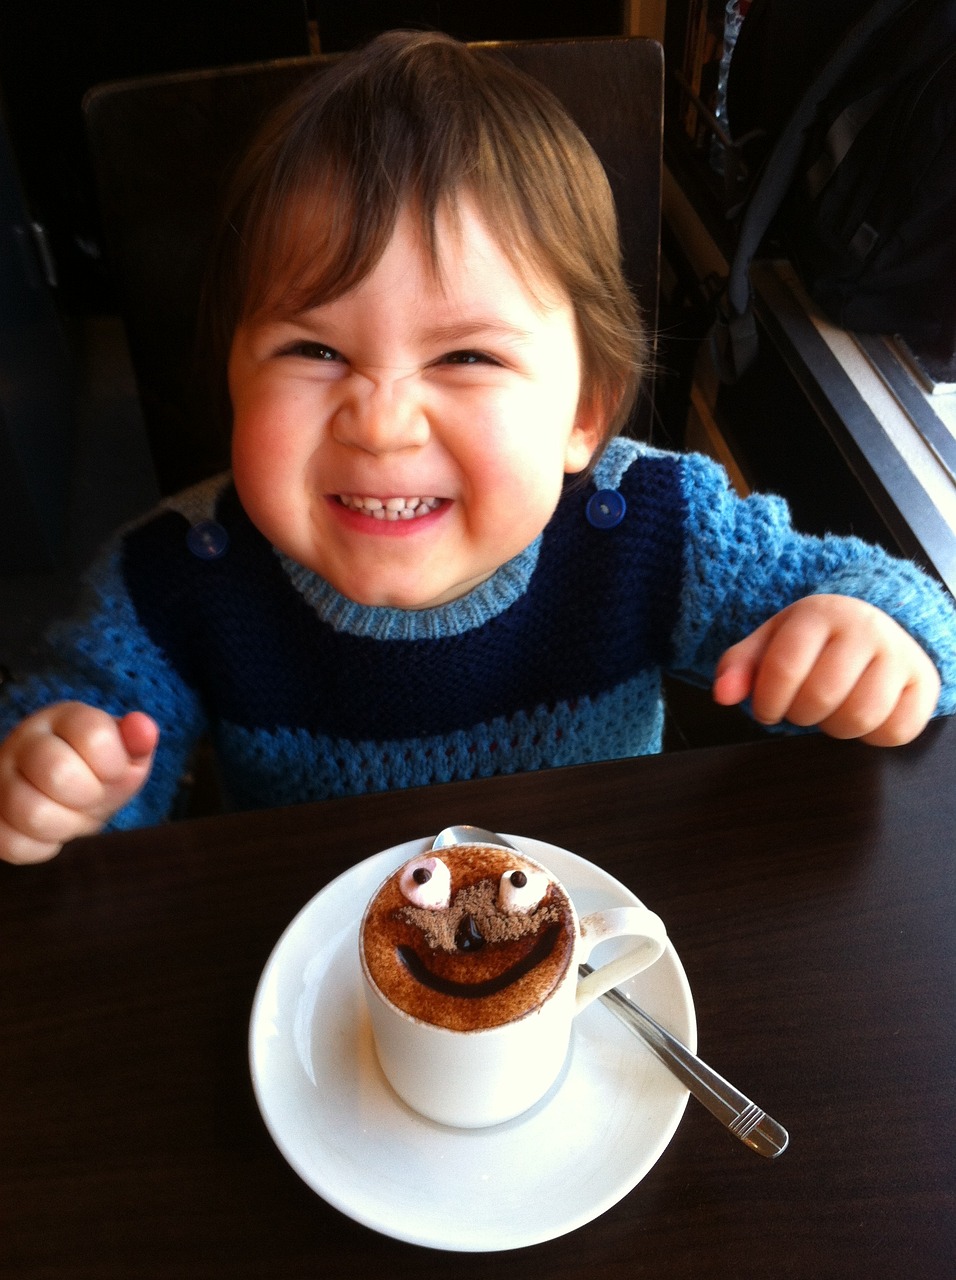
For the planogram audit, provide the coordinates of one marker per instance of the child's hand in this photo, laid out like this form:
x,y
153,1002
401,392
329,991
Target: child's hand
x,y
64,772
834,662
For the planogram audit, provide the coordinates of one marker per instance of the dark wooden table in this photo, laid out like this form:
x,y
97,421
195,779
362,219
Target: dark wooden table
x,y
808,886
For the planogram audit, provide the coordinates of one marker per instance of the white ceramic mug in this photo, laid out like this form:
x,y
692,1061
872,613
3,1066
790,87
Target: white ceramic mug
x,y
489,1074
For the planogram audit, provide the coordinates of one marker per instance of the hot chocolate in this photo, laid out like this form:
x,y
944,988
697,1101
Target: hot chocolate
x,y
469,938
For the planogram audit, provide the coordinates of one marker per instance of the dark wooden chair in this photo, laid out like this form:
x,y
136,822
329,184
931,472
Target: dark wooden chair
x,y
161,145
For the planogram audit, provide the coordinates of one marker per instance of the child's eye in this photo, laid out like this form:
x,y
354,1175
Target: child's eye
x,y
307,350
468,357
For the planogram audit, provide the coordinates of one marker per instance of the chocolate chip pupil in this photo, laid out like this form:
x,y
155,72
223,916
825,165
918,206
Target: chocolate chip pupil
x,y
421,875
519,879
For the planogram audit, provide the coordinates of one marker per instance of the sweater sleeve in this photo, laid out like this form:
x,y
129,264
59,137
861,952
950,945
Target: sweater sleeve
x,y
104,658
744,562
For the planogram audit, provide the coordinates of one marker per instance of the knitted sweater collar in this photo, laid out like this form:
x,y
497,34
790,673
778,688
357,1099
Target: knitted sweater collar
x,y
486,601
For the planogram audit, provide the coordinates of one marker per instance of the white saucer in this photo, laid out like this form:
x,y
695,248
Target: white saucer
x,y
341,1128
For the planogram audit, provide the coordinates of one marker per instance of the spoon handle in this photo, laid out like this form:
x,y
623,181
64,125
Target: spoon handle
x,y
743,1118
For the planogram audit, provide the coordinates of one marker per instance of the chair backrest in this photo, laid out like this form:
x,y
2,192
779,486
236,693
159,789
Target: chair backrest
x,y
160,148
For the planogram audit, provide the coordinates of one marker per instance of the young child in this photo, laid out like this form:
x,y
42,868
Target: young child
x,y
434,558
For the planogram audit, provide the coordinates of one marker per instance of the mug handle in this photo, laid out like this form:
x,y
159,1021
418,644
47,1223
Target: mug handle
x,y
637,922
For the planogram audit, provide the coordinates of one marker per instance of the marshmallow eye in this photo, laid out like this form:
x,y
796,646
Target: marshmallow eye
x,y
522,889
426,882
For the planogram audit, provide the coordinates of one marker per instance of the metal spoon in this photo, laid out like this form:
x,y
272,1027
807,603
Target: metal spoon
x,y
743,1118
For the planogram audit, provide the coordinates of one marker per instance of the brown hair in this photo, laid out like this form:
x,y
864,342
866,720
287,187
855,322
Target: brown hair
x,y
416,119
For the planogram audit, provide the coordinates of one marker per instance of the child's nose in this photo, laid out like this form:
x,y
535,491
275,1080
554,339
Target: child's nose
x,y
382,415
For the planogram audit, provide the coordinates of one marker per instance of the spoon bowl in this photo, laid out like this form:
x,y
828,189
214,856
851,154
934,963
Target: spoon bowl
x,y
465,834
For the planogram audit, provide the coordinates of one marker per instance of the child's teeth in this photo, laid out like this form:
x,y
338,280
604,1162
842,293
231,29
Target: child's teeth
x,y
391,508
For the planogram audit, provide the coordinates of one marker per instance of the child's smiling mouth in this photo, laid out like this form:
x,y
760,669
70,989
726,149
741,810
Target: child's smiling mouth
x,y
389,508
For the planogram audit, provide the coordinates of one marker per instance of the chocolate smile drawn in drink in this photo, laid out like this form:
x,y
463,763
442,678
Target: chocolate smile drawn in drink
x,y
488,986
476,938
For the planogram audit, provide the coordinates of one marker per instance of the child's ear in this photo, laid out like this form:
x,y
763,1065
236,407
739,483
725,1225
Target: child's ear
x,y
586,436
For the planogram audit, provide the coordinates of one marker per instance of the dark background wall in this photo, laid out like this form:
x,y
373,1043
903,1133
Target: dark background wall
x,y
52,51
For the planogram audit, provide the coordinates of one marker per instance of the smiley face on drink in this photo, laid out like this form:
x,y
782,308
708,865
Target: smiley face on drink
x,y
473,938
470,963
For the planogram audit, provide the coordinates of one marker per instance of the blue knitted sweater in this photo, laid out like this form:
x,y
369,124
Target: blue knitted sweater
x,y
554,660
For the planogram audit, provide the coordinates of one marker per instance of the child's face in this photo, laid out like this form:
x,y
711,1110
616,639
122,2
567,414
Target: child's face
x,y
461,391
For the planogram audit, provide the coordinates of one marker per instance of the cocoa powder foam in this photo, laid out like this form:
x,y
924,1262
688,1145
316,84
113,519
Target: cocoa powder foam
x,y
469,937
